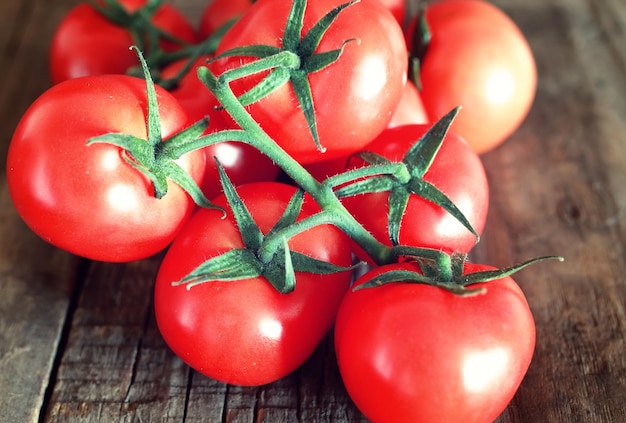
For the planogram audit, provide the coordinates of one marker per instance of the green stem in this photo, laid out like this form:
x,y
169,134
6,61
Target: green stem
x,y
274,241
283,59
189,145
397,170
335,211
443,261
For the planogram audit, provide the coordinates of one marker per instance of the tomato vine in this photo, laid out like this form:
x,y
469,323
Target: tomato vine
x,y
292,64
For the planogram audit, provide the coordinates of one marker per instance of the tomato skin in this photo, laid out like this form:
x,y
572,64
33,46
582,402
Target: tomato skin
x,y
479,59
354,97
397,8
416,353
194,97
245,332
219,12
411,108
456,170
87,43
87,199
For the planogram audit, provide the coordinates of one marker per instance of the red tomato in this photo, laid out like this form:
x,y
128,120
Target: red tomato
x,y
456,170
411,352
242,162
245,332
479,59
87,199
219,12
87,43
411,109
354,97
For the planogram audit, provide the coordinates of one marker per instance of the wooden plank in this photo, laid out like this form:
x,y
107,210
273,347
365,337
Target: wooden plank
x,y
115,365
36,280
558,187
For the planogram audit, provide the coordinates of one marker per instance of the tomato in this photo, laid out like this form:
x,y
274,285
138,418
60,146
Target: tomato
x,y
411,352
245,332
353,98
218,13
87,199
479,59
87,43
457,171
243,163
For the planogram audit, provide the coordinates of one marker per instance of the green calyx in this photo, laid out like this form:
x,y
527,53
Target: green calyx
x,y
449,276
292,62
404,179
147,37
267,255
139,23
154,157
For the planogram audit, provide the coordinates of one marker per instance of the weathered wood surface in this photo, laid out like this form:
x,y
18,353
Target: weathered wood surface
x,y
78,341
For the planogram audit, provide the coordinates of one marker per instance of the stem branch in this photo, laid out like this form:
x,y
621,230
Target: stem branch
x,y
333,210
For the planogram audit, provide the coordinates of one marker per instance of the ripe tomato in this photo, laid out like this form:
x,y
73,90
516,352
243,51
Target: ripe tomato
x,y
87,199
479,59
456,170
242,162
411,352
219,12
354,97
245,332
87,43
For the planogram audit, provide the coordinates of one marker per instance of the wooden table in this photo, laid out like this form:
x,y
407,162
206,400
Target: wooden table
x,y
78,341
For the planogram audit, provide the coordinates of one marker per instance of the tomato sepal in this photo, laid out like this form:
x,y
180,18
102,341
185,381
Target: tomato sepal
x,y
277,263
155,157
416,162
143,32
447,272
236,264
297,69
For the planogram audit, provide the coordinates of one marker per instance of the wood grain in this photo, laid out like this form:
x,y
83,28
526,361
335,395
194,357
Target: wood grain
x,y
78,340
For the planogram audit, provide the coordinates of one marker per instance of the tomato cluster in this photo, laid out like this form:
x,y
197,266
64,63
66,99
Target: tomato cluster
x,y
271,152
